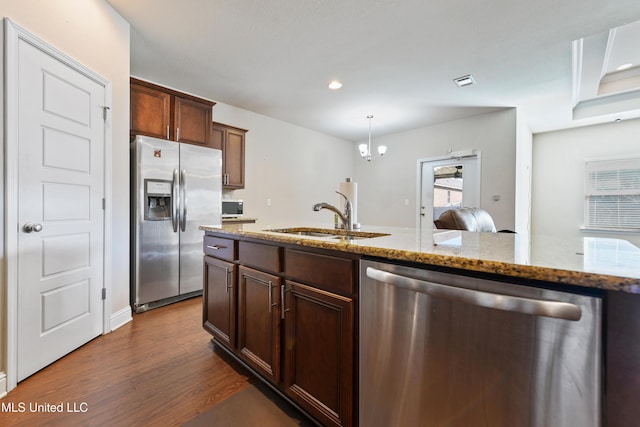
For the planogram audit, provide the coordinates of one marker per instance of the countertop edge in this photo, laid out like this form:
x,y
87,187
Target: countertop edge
x,y
521,271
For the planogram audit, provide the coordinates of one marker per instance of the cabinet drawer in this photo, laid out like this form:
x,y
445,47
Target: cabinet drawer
x,y
324,271
264,257
219,247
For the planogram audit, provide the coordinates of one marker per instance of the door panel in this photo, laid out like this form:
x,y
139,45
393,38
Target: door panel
x,y
318,369
192,121
150,112
234,158
156,269
219,308
66,202
70,302
259,321
202,184
56,148
60,190
62,254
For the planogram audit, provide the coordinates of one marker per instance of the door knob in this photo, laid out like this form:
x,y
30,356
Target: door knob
x,y
30,226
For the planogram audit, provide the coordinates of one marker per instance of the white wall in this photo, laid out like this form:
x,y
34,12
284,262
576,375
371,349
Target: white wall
x,y
524,160
292,166
386,182
558,174
92,33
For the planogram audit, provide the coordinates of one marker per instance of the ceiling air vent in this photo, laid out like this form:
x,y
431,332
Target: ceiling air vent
x,y
463,81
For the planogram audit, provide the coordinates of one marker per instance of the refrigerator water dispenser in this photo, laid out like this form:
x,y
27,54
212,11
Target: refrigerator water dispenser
x,y
157,196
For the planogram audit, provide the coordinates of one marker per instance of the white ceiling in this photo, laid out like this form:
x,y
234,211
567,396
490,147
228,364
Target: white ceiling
x,y
396,58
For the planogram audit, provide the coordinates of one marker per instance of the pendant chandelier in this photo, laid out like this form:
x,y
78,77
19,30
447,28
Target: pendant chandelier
x,y
365,149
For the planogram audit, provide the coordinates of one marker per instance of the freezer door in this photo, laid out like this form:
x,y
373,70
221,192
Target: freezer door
x,y
200,204
155,267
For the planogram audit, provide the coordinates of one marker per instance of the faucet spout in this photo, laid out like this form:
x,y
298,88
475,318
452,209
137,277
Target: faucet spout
x,y
345,217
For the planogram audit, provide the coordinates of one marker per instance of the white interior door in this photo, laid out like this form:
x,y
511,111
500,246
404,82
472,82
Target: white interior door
x,y
60,264
448,184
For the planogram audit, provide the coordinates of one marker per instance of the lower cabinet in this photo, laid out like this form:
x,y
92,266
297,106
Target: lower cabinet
x,y
219,307
259,322
294,321
318,369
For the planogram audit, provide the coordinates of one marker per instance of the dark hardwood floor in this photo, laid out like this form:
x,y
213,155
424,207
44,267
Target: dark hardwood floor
x,y
158,370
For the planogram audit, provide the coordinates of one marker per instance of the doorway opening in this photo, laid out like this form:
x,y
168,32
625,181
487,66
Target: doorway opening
x,y
447,183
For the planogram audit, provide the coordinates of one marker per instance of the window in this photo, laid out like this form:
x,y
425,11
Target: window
x,y
447,189
612,194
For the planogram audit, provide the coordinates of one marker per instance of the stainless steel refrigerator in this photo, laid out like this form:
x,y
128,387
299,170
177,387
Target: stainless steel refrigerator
x,y
175,188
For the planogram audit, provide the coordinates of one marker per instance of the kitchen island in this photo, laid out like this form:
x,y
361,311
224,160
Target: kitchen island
x,y
294,269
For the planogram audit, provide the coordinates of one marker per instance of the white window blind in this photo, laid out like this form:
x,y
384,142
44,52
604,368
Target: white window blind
x,y
612,194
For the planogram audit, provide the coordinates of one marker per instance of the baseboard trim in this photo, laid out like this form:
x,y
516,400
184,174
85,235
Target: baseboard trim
x,y
120,318
3,385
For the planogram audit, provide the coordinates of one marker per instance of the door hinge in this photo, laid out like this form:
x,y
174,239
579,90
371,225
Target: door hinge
x,y
104,112
104,293
104,203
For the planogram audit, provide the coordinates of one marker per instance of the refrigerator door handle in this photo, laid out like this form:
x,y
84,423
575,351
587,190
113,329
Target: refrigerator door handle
x,y
183,199
174,201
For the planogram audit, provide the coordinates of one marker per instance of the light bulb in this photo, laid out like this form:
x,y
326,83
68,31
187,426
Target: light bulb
x,y
382,149
363,149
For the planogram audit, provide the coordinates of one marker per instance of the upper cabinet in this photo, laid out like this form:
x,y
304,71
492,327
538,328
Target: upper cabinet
x,y
164,113
231,141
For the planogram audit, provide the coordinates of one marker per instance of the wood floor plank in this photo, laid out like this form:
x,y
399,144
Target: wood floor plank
x,y
158,370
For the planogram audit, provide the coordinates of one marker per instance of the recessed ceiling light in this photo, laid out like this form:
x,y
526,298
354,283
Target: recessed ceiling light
x,y
463,81
335,85
624,67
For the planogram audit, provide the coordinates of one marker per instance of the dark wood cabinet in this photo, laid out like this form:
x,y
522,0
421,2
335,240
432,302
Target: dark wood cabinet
x,y
192,121
318,356
219,307
259,318
150,111
220,289
622,352
231,140
164,113
295,321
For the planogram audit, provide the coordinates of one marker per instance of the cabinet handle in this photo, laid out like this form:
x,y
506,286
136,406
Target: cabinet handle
x,y
270,297
284,309
168,136
229,283
215,247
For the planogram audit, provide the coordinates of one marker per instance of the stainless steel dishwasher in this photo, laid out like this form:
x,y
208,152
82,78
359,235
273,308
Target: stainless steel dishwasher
x,y
439,349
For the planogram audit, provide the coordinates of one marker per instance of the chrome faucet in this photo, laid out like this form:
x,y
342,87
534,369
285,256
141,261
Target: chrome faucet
x,y
345,217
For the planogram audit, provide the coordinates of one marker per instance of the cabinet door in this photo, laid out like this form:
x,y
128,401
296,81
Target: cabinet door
x,y
234,158
259,321
192,122
217,136
150,112
318,372
219,307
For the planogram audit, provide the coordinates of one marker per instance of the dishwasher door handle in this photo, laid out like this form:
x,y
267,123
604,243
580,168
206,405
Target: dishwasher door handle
x,y
546,308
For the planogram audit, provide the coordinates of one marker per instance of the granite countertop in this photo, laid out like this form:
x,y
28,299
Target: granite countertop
x,y
238,220
611,264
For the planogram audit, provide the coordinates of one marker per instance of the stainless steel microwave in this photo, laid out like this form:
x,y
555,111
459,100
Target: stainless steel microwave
x,y
232,208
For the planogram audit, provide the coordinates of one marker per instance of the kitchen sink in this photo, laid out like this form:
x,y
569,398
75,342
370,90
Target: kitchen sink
x,y
330,233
